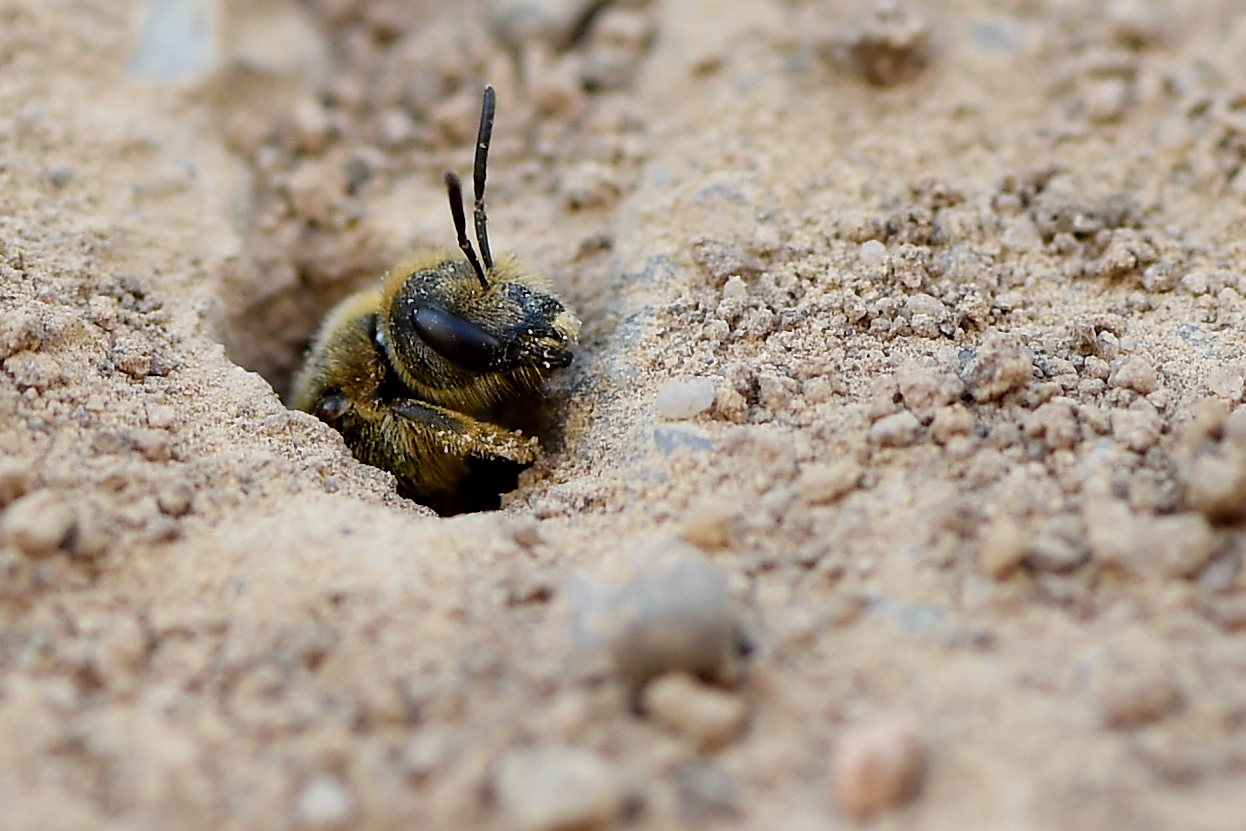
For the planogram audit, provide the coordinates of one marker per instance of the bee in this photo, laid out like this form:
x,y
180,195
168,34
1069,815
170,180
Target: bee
x,y
410,372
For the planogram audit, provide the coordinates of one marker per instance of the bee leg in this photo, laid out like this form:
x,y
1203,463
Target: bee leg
x,y
459,435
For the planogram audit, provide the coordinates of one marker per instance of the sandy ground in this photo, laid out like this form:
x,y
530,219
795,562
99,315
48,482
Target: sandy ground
x,y
923,324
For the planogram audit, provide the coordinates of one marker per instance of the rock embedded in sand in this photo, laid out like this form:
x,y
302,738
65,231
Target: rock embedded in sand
x,y
681,398
710,523
679,614
556,789
1175,545
133,356
1226,382
820,484
889,45
324,802
1002,364
1215,484
1001,547
926,389
16,477
709,717
1055,422
1137,374
897,430
1129,697
876,764
39,523
1137,429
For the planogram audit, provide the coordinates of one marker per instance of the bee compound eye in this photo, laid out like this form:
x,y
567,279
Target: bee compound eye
x,y
457,340
331,408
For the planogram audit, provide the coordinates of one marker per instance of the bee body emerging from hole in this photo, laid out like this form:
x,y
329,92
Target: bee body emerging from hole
x,y
408,373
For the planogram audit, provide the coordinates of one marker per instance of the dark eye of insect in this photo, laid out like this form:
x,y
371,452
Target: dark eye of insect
x,y
457,340
331,409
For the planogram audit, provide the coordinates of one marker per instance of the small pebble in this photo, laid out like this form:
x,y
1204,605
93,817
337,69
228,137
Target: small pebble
x,y
132,356
891,43
950,423
682,398
38,523
1226,382
395,128
1216,484
898,430
556,789
59,174
159,416
1132,697
924,389
872,252
1000,366
616,45
710,717
556,92
821,484
35,370
877,764
324,801
1173,545
16,477
93,535
1138,430
1055,422
1001,548
1106,99
1135,374
1055,550
1229,614
678,614
526,531
430,749
1137,23
175,500
1194,283
709,524
310,126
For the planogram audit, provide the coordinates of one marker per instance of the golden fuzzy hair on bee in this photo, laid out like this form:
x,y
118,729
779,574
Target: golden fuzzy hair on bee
x,y
408,371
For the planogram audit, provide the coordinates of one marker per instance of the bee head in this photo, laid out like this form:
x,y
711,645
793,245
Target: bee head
x,y
442,322
450,321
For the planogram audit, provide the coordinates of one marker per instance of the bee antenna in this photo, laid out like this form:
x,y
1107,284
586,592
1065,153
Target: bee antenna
x,y
455,190
483,138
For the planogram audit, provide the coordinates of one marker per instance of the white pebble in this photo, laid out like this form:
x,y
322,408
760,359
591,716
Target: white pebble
x,y
709,716
681,398
324,801
1195,283
873,252
555,788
